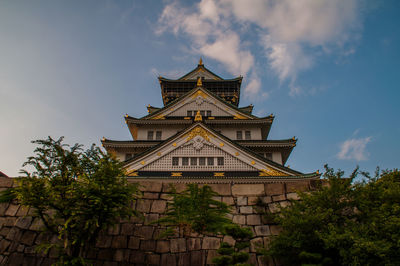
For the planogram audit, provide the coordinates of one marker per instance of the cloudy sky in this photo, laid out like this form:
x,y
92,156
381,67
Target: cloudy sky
x,y
328,70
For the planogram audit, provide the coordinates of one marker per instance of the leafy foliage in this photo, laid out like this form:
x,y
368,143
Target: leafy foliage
x,y
195,211
344,223
234,255
75,193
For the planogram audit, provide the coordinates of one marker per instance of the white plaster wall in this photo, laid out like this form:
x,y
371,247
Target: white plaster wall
x,y
167,131
230,131
216,110
277,157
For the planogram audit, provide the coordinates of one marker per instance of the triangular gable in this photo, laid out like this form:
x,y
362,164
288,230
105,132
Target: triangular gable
x,y
200,99
201,141
200,71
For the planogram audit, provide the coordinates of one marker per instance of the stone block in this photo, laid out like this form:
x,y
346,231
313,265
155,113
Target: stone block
x,y
127,229
256,243
3,208
119,242
253,200
168,259
178,245
274,207
114,230
28,238
4,244
23,222
150,195
144,232
211,242
241,201
14,234
297,186
262,230
253,219
159,206
134,242
151,186
150,218
246,209
143,205
221,189
103,241
137,257
275,229
36,225
162,246
292,196
197,258
274,189
239,219
230,240
284,204
183,259
210,255
4,231
12,210
247,189
193,243
279,197
153,259
147,245
166,196
168,187
121,255
22,211
228,200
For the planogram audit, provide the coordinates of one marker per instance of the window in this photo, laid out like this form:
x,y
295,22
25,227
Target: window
x,y
239,135
189,113
208,113
193,160
268,155
128,156
150,135
175,161
220,160
247,134
202,161
185,160
203,113
210,161
158,135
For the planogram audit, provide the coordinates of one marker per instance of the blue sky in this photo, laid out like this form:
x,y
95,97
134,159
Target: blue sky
x,y
328,71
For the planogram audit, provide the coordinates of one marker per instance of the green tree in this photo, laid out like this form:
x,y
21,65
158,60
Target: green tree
x,y
75,193
343,223
234,255
195,210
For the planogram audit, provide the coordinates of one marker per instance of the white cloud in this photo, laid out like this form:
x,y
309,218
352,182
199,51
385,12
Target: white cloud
x,y
287,31
354,149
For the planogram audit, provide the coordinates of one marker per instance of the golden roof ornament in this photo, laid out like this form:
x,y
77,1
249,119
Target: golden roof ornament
x,y
198,117
199,83
200,62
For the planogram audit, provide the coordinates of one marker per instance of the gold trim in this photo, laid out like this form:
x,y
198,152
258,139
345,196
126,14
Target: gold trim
x,y
142,162
271,172
174,144
198,117
253,162
199,93
199,83
158,153
211,117
236,153
187,117
219,174
161,116
239,116
221,144
176,174
197,131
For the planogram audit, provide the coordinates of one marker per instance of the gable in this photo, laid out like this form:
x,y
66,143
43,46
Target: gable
x,y
201,72
200,99
199,142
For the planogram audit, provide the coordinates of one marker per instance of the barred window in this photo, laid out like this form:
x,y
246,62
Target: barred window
x,y
208,112
189,113
202,161
210,160
239,135
128,156
247,134
203,113
150,135
175,161
220,160
185,160
158,135
193,160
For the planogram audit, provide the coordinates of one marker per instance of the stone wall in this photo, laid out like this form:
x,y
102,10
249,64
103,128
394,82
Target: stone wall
x,y
135,242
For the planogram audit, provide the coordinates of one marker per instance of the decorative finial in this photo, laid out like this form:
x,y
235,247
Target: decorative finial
x,y
126,115
199,83
294,138
103,139
317,171
200,62
198,117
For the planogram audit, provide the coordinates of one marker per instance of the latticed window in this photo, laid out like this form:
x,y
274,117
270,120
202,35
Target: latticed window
x,y
210,160
189,113
158,135
185,160
239,135
175,161
203,113
220,160
193,160
247,134
150,135
128,156
268,155
202,161
208,112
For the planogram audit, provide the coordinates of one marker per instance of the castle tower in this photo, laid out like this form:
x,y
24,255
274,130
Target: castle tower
x,y
201,133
